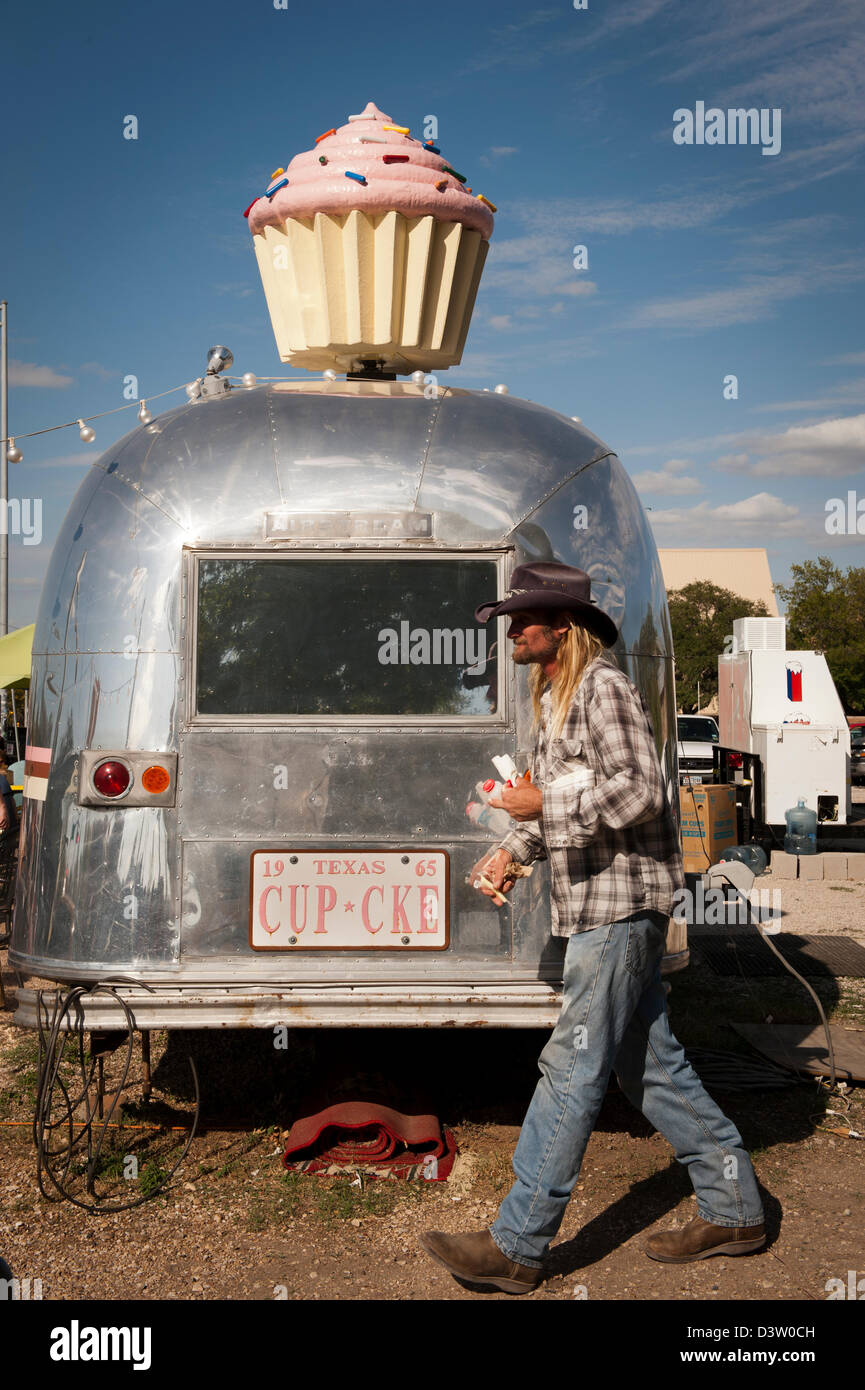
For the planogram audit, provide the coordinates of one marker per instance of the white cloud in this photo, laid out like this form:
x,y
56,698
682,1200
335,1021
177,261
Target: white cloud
x,y
667,480
97,369
849,359
752,299
834,448
500,322
85,458
843,393
536,265
237,289
749,517
513,48
29,374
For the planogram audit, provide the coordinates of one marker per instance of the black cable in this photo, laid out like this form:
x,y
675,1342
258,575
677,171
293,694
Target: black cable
x,y
787,966
55,1163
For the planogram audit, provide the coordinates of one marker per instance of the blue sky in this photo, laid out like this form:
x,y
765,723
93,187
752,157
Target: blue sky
x,y
128,257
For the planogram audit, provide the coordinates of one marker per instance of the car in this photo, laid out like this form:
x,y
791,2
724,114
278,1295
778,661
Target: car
x,y
857,754
697,733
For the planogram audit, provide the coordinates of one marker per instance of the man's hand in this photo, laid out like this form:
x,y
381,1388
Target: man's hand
x,y
492,867
524,802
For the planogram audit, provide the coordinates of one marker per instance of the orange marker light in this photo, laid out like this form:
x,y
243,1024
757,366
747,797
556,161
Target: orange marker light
x,y
155,779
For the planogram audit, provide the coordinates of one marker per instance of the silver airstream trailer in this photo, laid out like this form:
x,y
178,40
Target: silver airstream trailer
x,y
260,703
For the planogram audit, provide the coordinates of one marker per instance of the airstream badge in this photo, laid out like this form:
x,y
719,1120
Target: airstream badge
x,y
344,525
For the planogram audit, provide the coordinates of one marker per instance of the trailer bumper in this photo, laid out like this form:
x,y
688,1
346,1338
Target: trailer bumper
x,y
524,1005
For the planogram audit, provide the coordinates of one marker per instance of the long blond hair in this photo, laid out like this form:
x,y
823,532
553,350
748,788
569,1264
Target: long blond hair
x,y
578,647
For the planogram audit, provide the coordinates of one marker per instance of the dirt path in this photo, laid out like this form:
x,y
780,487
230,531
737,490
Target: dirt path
x,y
237,1226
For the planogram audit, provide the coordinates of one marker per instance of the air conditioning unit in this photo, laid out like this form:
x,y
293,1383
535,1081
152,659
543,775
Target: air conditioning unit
x,y
760,634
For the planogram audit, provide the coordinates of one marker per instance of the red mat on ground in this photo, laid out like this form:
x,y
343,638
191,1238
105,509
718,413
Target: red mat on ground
x,y
370,1136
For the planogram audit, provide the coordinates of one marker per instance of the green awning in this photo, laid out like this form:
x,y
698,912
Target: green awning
x,y
15,656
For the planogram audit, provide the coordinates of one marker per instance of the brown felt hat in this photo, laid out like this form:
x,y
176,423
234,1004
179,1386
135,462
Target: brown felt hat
x,y
549,584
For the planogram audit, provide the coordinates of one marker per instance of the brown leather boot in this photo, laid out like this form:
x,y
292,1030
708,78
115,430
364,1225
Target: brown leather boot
x,y
700,1239
477,1259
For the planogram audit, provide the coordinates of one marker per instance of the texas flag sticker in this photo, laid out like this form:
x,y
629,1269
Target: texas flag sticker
x,y
37,763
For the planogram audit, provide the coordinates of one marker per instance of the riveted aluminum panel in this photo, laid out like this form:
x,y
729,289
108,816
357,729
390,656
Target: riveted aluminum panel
x,y
111,648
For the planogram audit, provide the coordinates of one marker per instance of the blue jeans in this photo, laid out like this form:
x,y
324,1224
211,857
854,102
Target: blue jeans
x,y
614,1019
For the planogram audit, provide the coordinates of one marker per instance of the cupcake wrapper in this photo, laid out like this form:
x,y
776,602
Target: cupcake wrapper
x,y
370,286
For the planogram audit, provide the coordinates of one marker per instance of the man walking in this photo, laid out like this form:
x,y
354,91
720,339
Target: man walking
x,y
597,809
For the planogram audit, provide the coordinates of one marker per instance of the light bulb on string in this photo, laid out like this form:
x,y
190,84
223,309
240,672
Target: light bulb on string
x,y
193,390
144,414
250,380
86,434
13,453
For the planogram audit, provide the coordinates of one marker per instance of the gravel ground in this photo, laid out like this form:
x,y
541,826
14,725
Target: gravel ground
x,y
236,1226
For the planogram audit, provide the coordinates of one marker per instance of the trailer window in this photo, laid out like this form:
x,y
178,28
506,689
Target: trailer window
x,y
345,636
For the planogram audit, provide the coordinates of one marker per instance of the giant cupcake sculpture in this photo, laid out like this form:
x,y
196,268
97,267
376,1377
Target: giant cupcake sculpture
x,y
370,248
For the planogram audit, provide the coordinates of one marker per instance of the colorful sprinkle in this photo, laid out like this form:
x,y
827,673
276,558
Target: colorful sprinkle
x,y
276,188
322,159
360,178
326,133
372,140
433,149
466,189
442,185
448,170
492,207
400,129
395,158
276,173
251,206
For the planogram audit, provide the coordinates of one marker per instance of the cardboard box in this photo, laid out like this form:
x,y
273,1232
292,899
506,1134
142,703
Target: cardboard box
x,y
708,815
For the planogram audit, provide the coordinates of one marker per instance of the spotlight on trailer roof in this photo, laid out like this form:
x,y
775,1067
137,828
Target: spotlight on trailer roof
x,y
219,359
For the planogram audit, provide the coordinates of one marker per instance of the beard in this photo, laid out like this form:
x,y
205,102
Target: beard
x,y
523,657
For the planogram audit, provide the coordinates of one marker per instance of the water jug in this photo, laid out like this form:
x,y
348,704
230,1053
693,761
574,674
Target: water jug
x,y
494,819
752,855
801,837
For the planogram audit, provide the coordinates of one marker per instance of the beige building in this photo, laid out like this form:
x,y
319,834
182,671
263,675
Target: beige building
x,y
745,571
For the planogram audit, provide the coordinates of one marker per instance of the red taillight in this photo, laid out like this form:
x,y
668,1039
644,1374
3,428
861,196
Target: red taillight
x,y
111,779
734,760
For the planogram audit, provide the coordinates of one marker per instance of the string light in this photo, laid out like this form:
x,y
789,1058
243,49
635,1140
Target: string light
x,y
193,391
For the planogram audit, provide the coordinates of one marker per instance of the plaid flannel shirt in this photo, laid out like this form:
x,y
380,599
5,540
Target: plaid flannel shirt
x,y
606,826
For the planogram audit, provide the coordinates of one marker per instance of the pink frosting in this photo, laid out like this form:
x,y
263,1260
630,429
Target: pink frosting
x,y
407,188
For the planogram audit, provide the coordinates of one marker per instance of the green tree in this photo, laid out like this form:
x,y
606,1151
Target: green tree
x,y
826,613
701,617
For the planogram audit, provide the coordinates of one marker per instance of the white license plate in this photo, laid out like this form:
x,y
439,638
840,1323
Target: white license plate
x,y
348,900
